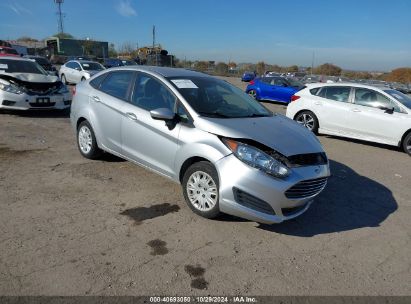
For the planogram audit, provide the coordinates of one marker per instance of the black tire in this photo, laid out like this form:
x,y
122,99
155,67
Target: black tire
x,y
201,168
63,79
406,144
253,94
308,120
94,151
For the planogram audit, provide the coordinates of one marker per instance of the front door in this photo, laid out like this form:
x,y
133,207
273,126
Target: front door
x,y
150,142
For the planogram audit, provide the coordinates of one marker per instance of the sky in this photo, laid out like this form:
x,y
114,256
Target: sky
x,y
372,35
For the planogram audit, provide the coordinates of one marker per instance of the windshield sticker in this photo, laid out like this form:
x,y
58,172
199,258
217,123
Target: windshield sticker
x,y
3,66
184,84
86,65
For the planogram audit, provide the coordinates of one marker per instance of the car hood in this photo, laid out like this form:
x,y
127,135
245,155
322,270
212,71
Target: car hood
x,y
277,132
29,77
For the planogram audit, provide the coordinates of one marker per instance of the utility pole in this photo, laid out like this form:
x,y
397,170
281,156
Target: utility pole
x,y
154,42
60,15
312,63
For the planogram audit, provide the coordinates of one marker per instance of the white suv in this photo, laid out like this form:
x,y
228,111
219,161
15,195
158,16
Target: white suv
x,y
381,115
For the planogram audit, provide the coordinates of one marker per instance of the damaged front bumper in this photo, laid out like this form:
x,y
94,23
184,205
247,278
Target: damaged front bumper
x,y
25,101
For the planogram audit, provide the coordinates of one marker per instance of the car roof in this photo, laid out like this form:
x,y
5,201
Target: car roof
x,y
82,61
339,84
163,71
16,58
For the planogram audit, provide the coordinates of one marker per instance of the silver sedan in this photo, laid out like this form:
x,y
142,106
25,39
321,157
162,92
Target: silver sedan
x,y
229,153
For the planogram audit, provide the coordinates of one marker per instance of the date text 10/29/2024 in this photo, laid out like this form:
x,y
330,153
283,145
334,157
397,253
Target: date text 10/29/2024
x,y
204,299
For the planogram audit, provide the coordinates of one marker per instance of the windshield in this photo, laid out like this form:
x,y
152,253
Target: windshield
x,y
402,98
21,66
42,61
212,97
92,66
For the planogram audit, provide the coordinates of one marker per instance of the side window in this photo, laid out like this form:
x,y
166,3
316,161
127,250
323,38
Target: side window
x,y
181,111
70,65
76,66
117,83
95,83
314,91
373,99
150,94
335,93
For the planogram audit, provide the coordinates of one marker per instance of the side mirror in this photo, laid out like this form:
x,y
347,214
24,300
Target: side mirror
x,y
162,114
389,110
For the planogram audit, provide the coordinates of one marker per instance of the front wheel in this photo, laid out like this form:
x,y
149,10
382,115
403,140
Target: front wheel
x,y
86,141
406,144
201,189
63,79
308,120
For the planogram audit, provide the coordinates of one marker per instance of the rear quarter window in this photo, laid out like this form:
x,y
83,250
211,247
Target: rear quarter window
x,y
314,91
96,82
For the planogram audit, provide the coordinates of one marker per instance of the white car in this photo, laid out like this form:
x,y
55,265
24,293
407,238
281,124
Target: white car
x,y
380,115
75,71
25,85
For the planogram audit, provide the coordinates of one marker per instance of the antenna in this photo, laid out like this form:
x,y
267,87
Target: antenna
x,y
60,15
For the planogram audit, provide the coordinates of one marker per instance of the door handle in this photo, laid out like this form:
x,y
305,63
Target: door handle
x,y
356,110
132,116
95,98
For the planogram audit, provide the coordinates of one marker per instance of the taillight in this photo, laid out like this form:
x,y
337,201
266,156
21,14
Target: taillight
x,y
295,97
73,90
252,82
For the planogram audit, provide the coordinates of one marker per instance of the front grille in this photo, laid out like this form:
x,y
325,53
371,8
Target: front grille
x,y
247,200
310,159
42,105
306,188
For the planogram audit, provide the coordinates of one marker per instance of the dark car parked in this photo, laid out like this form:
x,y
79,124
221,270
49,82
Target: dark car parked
x,y
44,63
248,76
116,62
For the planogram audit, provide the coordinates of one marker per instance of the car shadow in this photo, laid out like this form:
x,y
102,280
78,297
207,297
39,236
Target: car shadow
x,y
39,113
363,142
350,201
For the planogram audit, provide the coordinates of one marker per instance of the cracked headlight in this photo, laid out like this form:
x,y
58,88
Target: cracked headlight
x,y
11,88
256,158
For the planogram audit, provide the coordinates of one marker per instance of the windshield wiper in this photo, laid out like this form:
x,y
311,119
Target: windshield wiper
x,y
258,115
215,114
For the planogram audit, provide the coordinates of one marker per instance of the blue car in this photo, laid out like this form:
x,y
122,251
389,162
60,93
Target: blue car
x,y
248,76
273,88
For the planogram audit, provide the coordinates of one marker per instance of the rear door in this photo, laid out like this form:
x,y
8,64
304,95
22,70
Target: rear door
x,y
282,91
331,105
150,142
107,104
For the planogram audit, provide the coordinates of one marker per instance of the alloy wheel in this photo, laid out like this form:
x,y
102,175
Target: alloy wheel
x,y
253,94
306,120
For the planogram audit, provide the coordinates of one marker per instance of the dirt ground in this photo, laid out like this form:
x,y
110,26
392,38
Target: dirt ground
x,y
72,226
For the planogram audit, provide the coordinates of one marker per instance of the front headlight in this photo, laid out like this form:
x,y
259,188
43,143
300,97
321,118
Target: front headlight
x,y
11,88
256,158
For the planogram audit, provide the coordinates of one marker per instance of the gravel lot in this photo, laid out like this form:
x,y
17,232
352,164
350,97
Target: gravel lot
x,y
71,226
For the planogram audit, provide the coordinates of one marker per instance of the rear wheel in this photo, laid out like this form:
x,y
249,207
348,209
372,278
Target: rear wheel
x,y
308,120
86,141
406,144
253,94
201,189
